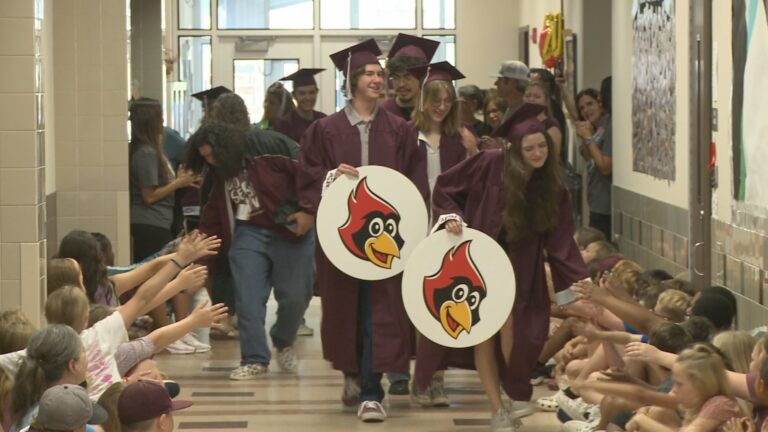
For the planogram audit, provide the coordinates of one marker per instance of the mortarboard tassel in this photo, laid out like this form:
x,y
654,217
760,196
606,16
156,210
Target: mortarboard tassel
x,y
347,85
421,93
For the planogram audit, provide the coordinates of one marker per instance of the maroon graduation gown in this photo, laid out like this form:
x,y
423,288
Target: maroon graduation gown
x,y
452,151
327,143
293,125
391,106
474,190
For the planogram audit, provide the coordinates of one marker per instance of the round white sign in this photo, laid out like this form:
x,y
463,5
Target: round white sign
x,y
369,225
458,290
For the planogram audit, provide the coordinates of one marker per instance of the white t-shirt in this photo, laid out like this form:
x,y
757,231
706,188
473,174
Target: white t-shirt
x,y
101,342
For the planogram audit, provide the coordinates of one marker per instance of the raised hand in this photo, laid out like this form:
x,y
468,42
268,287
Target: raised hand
x,y
203,316
195,246
347,169
192,277
641,351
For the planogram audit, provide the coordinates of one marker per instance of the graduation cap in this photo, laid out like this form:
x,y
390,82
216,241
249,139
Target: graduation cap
x,y
211,94
522,122
303,77
441,71
406,45
351,58
362,54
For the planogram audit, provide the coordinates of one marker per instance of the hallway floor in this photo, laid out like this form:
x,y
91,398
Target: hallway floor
x,y
310,399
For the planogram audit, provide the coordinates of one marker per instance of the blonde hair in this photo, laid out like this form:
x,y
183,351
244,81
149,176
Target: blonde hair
x,y
108,401
705,368
15,331
672,304
67,305
452,121
737,345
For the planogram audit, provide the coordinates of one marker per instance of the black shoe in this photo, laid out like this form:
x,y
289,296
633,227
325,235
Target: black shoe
x,y
541,373
399,388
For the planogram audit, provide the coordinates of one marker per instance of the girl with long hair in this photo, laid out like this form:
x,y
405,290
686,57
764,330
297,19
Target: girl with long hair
x,y
515,195
55,355
152,180
445,142
277,103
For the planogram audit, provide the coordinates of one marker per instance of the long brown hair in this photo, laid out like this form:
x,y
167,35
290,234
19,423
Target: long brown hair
x,y
452,121
533,205
146,116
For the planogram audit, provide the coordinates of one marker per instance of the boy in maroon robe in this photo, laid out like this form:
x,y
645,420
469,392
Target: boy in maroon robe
x,y
304,93
365,330
407,51
478,192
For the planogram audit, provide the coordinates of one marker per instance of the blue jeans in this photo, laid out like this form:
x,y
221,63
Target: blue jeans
x,y
261,258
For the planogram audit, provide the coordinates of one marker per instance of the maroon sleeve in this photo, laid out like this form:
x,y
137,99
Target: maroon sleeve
x,y
414,159
312,168
454,185
211,223
564,258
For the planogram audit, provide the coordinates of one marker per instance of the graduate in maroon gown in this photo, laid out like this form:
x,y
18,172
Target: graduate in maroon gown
x,y
304,93
407,51
445,143
515,196
365,330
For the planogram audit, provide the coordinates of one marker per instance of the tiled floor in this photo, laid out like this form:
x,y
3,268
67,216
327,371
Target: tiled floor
x,y
309,400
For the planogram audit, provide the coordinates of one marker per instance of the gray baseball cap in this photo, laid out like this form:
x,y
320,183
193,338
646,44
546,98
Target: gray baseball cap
x,y
513,69
67,407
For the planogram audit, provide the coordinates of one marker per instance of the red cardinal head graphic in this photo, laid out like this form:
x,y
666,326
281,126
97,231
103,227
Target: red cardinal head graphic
x,y
454,293
371,232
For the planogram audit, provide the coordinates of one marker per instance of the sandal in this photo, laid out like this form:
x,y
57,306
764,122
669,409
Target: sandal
x,y
547,403
224,334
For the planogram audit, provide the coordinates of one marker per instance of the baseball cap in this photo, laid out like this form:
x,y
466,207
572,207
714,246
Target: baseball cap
x,y
67,407
513,69
146,400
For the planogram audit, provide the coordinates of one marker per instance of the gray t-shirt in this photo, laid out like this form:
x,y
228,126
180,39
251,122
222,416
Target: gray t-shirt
x,y
599,185
145,172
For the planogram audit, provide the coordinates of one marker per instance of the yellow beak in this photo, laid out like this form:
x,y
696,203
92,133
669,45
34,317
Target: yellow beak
x,y
455,318
382,250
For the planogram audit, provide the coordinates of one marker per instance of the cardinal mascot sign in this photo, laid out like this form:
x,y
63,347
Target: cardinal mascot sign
x,y
458,290
369,225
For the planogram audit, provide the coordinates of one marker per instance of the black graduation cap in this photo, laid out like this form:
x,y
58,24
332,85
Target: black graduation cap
x,y
303,77
522,122
211,94
406,45
351,58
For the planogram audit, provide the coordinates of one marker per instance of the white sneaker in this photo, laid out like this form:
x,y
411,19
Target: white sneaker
x,y
248,372
577,426
305,330
179,347
286,359
501,421
192,341
518,409
371,412
547,403
575,408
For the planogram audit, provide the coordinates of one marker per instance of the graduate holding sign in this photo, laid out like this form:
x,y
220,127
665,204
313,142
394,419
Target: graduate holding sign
x,y
515,195
368,315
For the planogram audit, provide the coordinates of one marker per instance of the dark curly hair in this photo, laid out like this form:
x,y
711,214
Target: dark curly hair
x,y
533,204
230,109
400,64
83,247
228,144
